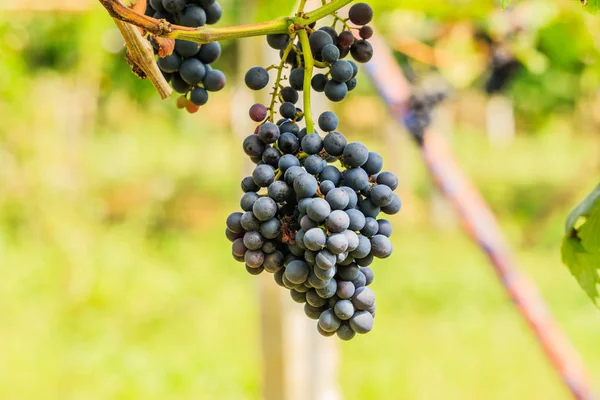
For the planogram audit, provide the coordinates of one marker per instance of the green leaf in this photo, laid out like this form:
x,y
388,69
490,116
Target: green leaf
x,y
591,6
581,245
505,3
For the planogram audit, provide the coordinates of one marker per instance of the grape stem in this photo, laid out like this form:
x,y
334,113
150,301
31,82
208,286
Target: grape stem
x,y
309,64
203,35
277,86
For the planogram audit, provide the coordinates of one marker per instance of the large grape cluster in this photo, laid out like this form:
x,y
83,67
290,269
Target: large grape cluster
x,y
188,69
309,217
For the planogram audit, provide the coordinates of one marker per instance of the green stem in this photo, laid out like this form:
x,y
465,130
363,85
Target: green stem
x,y
284,57
309,64
301,7
206,35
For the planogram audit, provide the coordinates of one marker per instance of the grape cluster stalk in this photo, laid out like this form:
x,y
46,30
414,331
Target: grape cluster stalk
x,y
188,68
311,208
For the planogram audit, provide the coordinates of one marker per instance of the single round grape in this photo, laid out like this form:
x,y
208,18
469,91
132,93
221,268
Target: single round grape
x,y
356,178
363,298
296,250
344,309
290,95
328,321
318,83
318,210
170,63
287,283
239,248
357,220
299,239
254,258
302,288
337,243
349,259
389,179
156,5
345,332
186,48
331,173
271,156
348,273
362,322
323,333
381,247
315,239
371,227
363,249
314,164
341,71
258,112
264,208
278,41
351,84
374,164
270,229
331,32
214,80
297,272
328,121
297,78
250,222
338,221
287,110
192,71
310,257
248,185
394,207
248,199
325,260
334,143
273,262
253,146
314,299
336,91
312,312
312,144
253,240
257,78
305,185
330,53
362,51
366,32
279,191
268,133
382,195
193,17
306,223
234,222
318,40
263,175
369,209
385,227
345,290
338,199
288,143
209,52
355,154
345,39
325,274
292,173
353,241
214,12
289,126
360,14
199,96
329,290
326,186
287,161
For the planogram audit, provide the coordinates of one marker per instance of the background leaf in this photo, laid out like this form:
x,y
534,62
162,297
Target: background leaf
x,y
592,6
581,246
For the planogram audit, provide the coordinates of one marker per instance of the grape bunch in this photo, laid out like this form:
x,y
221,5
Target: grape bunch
x,y
504,66
329,49
420,108
309,217
188,68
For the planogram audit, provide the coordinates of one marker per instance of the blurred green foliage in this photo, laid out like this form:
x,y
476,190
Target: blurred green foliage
x,y
117,280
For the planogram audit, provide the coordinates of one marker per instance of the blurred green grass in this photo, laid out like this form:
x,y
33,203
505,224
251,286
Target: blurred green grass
x,y
117,281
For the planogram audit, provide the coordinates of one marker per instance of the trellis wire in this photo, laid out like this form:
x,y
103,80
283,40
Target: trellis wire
x,y
481,225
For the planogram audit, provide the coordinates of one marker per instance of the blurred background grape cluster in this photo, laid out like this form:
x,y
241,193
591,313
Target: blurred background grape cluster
x,y
118,283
